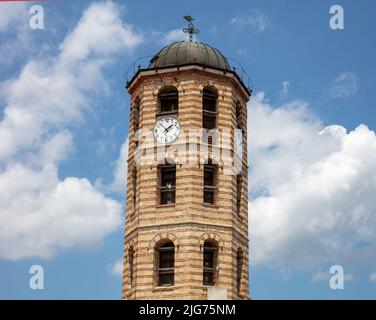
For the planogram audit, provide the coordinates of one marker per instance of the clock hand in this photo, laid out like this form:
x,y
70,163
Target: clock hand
x,y
168,129
161,125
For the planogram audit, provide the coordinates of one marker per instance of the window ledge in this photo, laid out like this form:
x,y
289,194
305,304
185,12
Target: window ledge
x,y
167,113
162,288
208,205
165,205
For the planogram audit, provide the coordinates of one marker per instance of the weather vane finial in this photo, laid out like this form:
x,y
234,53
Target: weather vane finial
x,y
191,30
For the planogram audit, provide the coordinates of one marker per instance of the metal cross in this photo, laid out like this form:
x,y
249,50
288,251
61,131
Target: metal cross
x,y
191,30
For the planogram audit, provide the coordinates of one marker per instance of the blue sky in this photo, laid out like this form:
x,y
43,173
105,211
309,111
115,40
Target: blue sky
x,y
312,145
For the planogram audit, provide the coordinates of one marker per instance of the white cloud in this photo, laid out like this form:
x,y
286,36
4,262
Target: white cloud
x,y
57,148
116,269
285,89
33,110
166,38
256,20
344,85
40,214
119,182
121,169
100,24
174,35
372,277
17,37
312,188
13,14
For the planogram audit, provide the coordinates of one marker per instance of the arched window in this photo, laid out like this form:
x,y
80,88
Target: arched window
x,y
134,182
136,119
168,101
209,111
131,265
239,269
165,263
210,262
167,183
239,115
239,185
210,183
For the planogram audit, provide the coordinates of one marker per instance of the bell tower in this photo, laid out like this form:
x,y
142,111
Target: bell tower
x,y
186,233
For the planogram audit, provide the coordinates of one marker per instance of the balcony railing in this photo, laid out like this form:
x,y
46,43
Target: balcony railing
x,y
143,63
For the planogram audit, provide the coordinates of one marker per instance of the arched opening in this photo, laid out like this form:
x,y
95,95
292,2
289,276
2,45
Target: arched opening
x,y
168,101
164,263
209,112
239,115
210,183
210,258
239,269
134,185
167,183
131,265
136,119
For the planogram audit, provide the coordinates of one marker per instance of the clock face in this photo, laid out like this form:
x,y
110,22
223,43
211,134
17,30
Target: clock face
x,y
166,130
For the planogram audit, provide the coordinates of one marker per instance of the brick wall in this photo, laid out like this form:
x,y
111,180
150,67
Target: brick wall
x,y
189,222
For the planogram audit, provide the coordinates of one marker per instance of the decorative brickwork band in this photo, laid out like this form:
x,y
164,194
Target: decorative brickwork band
x,y
165,236
211,236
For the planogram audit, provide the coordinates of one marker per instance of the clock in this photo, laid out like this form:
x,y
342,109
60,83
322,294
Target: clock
x,y
166,130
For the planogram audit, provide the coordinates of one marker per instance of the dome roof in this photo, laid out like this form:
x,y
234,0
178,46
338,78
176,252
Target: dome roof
x,y
185,52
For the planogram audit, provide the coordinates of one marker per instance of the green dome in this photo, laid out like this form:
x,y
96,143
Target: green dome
x,y
184,52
